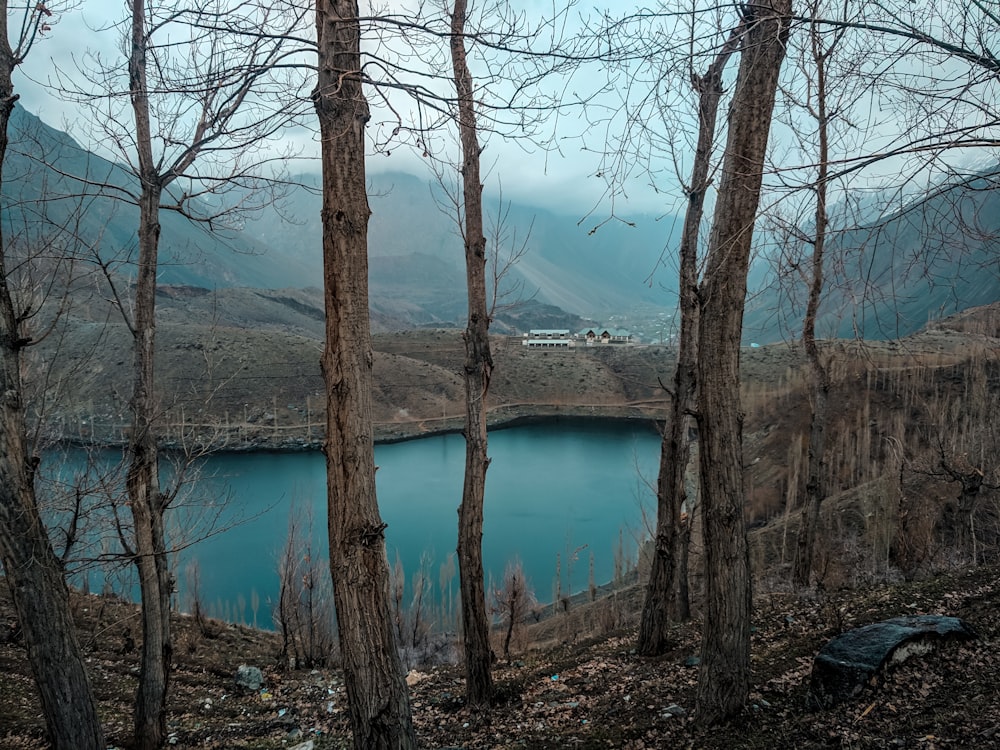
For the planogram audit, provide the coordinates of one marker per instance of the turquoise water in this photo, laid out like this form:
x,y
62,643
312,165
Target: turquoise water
x,y
572,489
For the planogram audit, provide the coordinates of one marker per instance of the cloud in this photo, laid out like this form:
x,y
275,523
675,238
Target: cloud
x,y
559,180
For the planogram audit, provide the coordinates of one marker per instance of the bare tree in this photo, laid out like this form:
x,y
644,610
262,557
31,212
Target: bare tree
x,y
837,75
508,102
724,676
957,445
931,73
477,373
377,696
820,49
192,103
513,601
304,611
671,494
33,571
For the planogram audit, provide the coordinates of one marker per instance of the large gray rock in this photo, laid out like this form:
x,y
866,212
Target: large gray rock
x,y
249,678
847,663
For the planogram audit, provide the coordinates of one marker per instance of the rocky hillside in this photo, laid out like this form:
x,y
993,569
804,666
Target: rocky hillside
x,y
573,681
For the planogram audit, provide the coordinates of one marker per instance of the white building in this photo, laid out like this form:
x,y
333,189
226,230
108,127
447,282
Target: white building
x,y
547,338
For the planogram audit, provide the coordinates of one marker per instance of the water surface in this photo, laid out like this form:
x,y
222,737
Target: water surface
x,y
568,490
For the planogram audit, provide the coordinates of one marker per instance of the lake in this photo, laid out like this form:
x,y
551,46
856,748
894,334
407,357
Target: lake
x,y
570,490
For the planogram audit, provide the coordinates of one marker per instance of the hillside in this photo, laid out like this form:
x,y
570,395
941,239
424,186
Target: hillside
x,y
890,542
887,278
416,250
574,682
81,205
240,368
904,409
55,192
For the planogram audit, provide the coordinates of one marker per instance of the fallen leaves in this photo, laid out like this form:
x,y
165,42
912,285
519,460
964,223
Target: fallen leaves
x,y
597,695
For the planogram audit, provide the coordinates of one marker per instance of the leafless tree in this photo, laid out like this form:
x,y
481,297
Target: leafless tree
x,y
671,494
513,601
33,571
724,676
823,91
304,608
199,112
924,111
377,696
478,370
852,60
500,38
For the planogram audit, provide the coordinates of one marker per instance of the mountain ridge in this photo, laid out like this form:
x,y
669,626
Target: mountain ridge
x,y
937,255
54,185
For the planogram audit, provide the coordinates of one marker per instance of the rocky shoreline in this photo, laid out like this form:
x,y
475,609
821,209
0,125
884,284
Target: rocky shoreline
x,y
301,438
507,417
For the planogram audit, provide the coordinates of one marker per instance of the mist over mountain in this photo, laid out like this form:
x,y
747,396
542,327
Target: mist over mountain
x,y
417,252
55,186
55,190
937,255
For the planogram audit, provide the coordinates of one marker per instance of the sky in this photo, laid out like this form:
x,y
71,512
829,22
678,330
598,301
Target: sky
x,y
567,175
563,176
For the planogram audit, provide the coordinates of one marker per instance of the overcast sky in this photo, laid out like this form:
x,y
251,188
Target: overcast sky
x,y
561,178
569,176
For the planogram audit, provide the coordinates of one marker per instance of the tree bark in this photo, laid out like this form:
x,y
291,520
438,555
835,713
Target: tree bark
x,y
477,372
33,571
724,676
663,586
145,500
142,482
376,690
37,585
819,378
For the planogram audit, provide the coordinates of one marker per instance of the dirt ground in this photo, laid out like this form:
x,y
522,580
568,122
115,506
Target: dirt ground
x,y
585,689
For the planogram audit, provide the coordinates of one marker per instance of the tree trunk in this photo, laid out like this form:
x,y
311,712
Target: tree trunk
x,y
143,481
819,379
724,676
145,500
478,369
33,571
36,582
674,449
376,691
683,606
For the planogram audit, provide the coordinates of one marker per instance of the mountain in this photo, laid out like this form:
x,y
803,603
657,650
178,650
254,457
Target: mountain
x,y
55,189
938,255
417,275
414,245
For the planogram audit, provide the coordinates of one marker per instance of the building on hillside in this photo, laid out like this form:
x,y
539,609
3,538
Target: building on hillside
x,y
547,338
592,336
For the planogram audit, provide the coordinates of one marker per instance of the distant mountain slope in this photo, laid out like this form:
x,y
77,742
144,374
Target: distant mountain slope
x,y
591,274
43,193
936,257
416,269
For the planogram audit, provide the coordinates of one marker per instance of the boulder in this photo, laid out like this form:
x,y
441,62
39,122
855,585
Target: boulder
x,y
249,678
845,665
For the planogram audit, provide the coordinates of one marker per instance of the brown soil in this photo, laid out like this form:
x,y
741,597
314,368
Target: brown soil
x,y
587,690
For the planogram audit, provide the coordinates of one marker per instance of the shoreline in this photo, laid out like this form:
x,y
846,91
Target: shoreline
x,y
386,433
